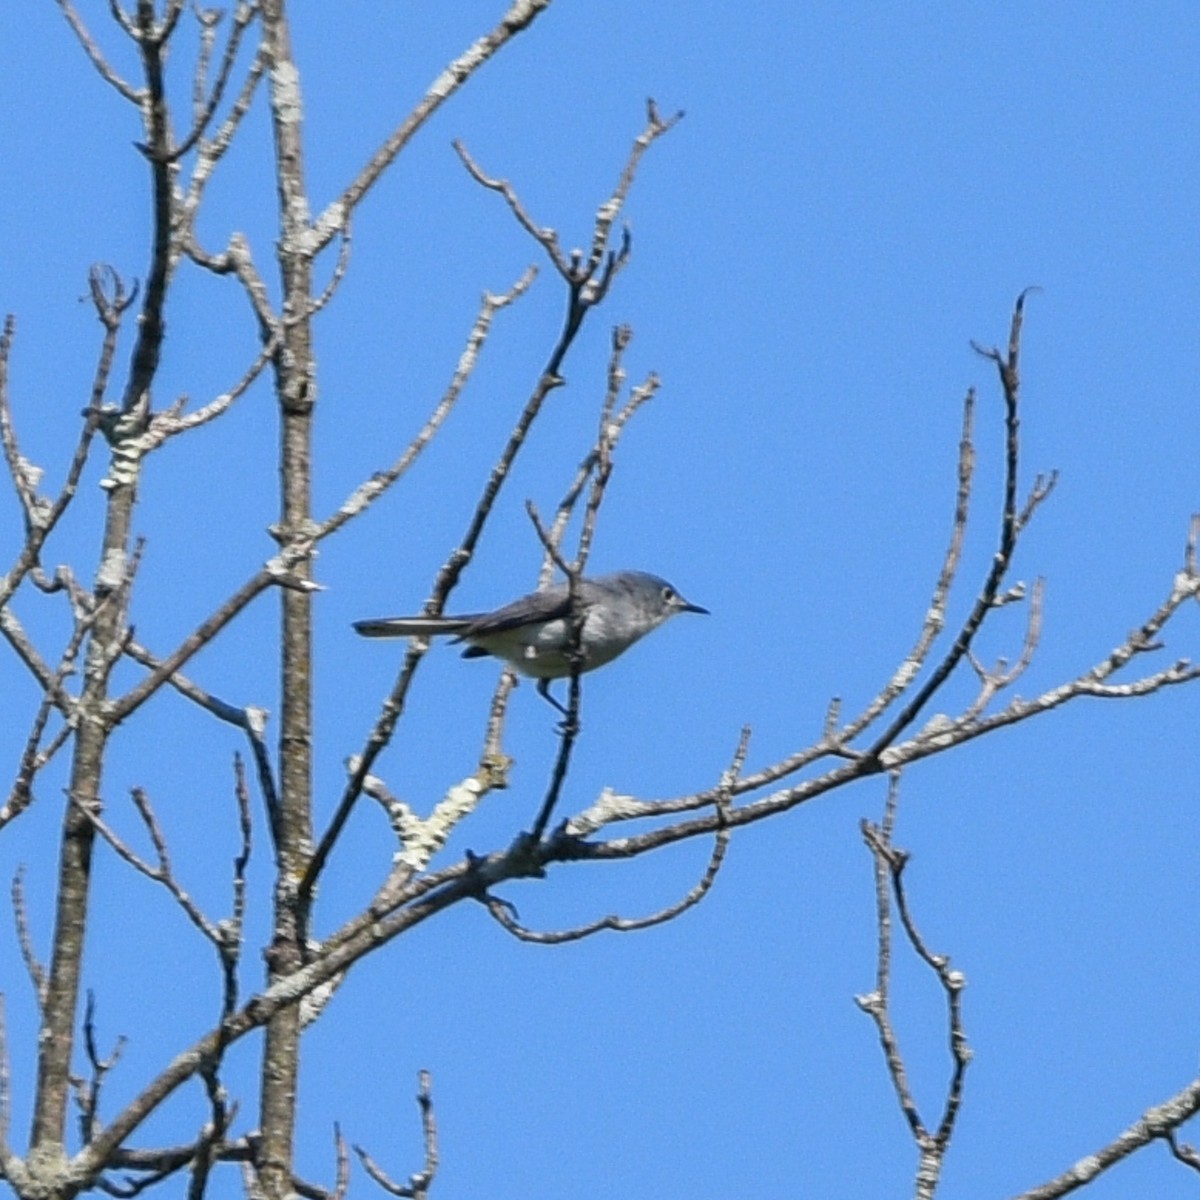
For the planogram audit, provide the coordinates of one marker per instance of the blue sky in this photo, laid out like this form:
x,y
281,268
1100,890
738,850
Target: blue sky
x,y
856,192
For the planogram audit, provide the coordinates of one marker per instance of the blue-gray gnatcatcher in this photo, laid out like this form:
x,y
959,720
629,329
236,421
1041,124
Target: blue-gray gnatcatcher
x,y
533,634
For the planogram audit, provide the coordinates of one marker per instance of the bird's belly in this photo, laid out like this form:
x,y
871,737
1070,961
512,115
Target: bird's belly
x,y
539,654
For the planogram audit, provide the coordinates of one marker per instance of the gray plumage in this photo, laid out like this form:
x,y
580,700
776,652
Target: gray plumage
x,y
532,634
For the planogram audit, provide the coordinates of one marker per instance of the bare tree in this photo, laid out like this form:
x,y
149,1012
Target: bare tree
x,y
243,59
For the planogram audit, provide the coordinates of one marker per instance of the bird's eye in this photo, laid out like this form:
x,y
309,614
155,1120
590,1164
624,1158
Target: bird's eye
x,y
668,595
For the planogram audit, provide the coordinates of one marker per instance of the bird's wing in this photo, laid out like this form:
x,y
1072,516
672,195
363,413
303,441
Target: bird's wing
x,y
390,627
550,604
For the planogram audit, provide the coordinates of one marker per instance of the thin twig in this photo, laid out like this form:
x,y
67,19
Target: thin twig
x,y
1043,485
54,695
1007,366
250,719
612,423
1185,1153
342,1158
889,864
520,15
24,474
419,1183
212,1136
233,936
835,739
161,426
545,237
367,493
877,1003
243,15
133,95
569,727
5,1094
606,217
166,27
203,634
162,873
335,280
21,794
210,154
110,308
122,19
37,976
1002,675
221,709
208,19
506,914
88,1092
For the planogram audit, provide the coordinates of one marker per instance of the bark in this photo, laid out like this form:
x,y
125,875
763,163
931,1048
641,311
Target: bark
x,y
295,391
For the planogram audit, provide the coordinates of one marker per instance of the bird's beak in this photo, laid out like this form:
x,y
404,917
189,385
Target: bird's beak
x,y
695,608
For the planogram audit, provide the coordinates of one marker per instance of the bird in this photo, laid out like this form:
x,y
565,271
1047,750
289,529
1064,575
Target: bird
x,y
533,633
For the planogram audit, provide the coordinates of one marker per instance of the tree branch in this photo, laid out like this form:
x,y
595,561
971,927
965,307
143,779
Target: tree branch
x,y
419,1183
197,640
110,309
506,914
135,96
1007,367
889,869
520,15
243,15
367,493
1158,1122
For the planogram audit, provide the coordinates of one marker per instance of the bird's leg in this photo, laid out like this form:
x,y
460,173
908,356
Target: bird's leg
x,y
567,724
543,690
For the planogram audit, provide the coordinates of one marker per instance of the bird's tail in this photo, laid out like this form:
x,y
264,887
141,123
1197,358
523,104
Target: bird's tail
x,y
392,627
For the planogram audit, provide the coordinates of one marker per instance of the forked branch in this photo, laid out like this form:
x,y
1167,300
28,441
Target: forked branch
x,y
1007,366
889,871
419,1183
